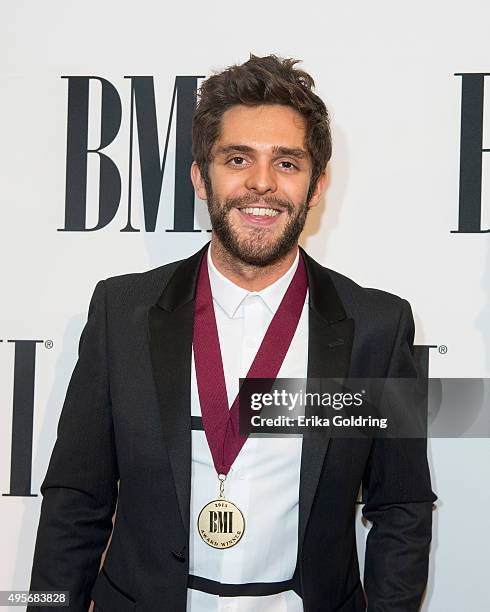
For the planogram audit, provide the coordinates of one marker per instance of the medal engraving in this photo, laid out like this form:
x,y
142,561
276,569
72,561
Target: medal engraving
x,y
221,524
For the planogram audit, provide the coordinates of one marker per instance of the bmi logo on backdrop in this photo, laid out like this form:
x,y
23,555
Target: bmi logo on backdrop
x,y
143,117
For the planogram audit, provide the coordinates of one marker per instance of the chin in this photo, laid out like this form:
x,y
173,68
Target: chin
x,y
261,257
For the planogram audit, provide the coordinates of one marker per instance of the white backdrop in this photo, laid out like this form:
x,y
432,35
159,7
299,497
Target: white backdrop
x,y
387,73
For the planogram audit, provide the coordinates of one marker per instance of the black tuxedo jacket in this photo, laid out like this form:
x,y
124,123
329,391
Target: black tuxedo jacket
x,y
126,418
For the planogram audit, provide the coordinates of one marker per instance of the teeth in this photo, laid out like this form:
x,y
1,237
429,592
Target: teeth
x,y
261,212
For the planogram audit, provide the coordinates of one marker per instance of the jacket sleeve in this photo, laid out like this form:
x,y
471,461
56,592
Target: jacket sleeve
x,y
398,502
80,487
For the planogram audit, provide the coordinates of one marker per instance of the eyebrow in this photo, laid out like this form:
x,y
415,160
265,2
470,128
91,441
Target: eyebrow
x,y
277,150
288,152
223,150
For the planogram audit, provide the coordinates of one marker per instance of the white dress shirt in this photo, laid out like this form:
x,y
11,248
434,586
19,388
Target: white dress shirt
x,y
264,479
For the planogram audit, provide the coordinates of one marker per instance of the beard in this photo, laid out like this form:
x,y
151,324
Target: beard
x,y
254,247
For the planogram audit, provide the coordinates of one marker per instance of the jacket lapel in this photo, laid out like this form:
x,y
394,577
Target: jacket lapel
x,y
330,337
170,323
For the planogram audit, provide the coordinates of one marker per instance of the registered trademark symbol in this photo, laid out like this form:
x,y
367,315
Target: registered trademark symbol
x,y
442,349
48,344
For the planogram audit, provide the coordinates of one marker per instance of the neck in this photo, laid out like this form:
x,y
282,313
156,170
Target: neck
x,y
252,278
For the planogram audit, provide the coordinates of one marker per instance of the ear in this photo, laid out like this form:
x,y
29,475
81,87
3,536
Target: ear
x,y
198,182
319,188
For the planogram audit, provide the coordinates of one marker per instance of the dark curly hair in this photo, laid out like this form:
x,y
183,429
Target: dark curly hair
x,y
261,80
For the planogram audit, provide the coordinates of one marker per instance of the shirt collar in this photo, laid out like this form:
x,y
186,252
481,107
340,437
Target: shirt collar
x,y
230,296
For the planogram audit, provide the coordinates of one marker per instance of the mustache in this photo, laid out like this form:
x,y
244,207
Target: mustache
x,y
250,200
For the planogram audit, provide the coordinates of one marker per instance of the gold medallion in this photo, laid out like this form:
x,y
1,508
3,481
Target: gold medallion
x,y
221,524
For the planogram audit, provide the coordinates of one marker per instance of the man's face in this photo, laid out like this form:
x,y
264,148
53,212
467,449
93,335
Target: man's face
x,y
258,182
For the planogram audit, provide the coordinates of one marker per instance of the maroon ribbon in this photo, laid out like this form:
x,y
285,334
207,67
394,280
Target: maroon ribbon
x,y
221,425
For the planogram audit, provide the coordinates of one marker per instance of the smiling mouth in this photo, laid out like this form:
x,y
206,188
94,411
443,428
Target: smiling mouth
x,y
260,212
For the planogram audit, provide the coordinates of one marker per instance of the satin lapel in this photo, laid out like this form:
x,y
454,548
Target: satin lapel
x,y
330,336
170,323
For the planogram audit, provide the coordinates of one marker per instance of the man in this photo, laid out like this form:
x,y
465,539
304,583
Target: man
x,y
149,401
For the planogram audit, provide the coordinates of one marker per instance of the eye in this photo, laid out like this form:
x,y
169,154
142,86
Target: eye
x,y
237,161
287,165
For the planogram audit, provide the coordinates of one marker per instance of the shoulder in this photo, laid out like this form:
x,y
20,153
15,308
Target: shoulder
x,y
373,309
359,299
139,287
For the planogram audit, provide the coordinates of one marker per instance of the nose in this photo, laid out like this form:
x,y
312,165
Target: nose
x,y
261,179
